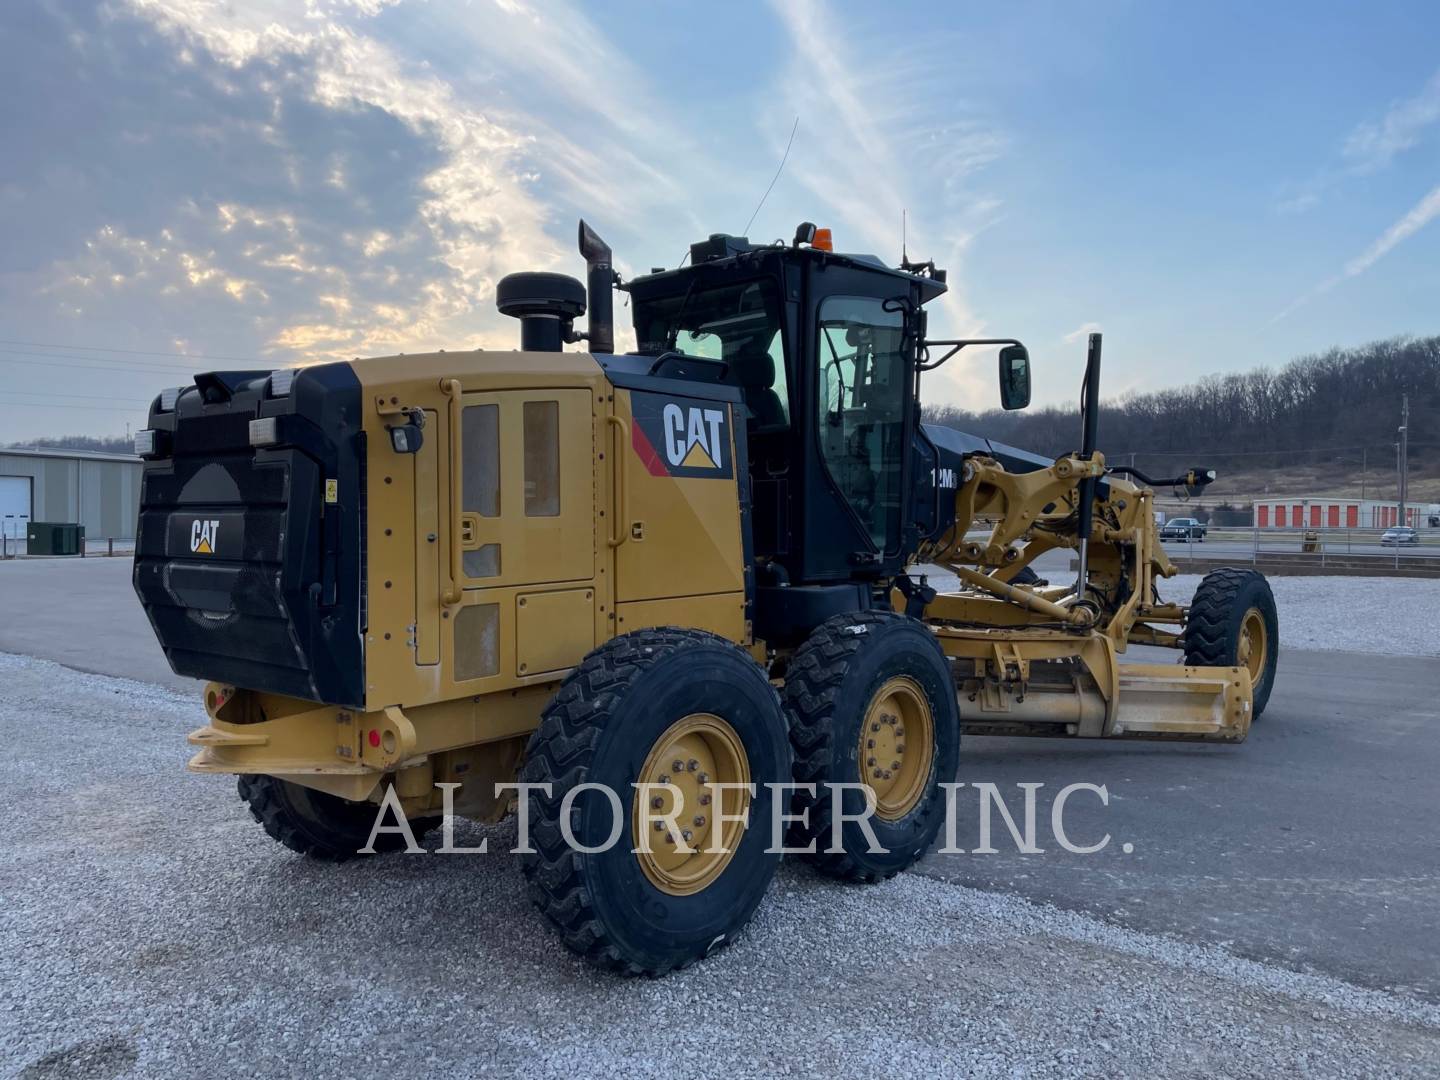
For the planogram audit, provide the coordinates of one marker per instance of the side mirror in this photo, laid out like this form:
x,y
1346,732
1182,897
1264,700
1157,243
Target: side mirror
x,y
1014,377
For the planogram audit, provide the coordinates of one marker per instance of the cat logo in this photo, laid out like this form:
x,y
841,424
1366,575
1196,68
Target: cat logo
x,y
692,436
204,535
682,437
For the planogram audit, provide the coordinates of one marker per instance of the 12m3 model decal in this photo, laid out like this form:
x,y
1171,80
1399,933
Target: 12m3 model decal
x,y
682,437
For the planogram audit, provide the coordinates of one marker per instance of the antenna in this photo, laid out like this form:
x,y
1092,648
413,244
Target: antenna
x,y
783,158
904,253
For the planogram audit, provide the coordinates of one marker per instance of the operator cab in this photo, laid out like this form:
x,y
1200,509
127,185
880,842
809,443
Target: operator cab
x,y
823,348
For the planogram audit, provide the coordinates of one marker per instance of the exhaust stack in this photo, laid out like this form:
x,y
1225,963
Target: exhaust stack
x,y
600,281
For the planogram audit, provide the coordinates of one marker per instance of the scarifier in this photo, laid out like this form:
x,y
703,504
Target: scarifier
x,y
686,572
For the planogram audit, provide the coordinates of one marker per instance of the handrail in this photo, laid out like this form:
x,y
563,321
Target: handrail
x,y
619,531
454,590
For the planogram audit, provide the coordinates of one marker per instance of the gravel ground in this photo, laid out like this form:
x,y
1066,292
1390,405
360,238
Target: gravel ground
x,y
147,926
1395,616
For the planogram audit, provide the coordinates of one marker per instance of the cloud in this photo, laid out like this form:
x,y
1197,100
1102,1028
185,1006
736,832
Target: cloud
x,y
307,179
1370,147
1373,146
870,147
473,209
1082,331
1300,202
1419,215
242,176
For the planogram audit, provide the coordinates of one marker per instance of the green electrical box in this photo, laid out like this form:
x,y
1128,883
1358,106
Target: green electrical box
x,y
55,538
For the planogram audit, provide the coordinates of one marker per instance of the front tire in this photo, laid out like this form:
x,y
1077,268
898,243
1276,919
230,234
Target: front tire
x,y
635,709
1233,622
872,701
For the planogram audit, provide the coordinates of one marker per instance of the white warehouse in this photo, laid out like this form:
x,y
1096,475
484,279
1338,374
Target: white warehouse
x,y
99,491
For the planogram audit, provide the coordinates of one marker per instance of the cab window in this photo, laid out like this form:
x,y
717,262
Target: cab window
x,y
737,323
861,403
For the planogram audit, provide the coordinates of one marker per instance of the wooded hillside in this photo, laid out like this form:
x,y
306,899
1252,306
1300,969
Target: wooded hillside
x,y
1317,419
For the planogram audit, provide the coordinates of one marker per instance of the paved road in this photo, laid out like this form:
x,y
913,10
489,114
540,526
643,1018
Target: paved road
x,y
82,613
1316,843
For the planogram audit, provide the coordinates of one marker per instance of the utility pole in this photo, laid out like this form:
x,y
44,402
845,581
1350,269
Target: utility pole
x,y
1404,448
1364,469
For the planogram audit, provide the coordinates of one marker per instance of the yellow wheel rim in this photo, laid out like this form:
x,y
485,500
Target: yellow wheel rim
x,y
897,746
1254,644
694,754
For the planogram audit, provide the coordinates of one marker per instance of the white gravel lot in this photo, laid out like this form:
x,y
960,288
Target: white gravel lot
x,y
1395,616
149,927
1398,616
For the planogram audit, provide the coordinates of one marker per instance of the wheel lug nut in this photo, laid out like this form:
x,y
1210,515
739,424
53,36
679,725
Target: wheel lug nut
x,y
869,744
659,826
677,765
878,774
870,761
874,727
692,764
894,764
704,800
687,836
699,820
657,802
899,748
664,780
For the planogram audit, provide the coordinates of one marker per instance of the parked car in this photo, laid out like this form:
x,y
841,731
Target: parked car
x,y
1400,534
1183,529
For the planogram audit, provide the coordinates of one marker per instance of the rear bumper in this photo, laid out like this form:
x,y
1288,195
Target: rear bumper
x,y
342,751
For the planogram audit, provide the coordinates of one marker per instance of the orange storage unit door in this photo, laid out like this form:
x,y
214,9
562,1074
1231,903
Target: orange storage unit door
x,y
1333,515
1262,516
1352,517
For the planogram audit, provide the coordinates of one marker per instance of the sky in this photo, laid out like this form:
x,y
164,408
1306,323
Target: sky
x,y
196,184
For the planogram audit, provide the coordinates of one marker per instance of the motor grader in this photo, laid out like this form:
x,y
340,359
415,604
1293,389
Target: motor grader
x,y
688,575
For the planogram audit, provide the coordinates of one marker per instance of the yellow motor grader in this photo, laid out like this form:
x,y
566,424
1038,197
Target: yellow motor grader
x,y
654,588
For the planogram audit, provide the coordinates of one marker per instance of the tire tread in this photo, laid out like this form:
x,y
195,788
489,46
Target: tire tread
x,y
559,754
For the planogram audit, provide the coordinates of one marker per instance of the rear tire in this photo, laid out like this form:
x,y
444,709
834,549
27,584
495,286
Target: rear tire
x,y
313,823
1233,623
857,680
619,717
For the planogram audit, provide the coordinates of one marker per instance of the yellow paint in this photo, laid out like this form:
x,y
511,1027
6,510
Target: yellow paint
x,y
554,629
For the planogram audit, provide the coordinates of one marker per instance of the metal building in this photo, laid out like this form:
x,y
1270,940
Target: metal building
x,y
100,491
1340,513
